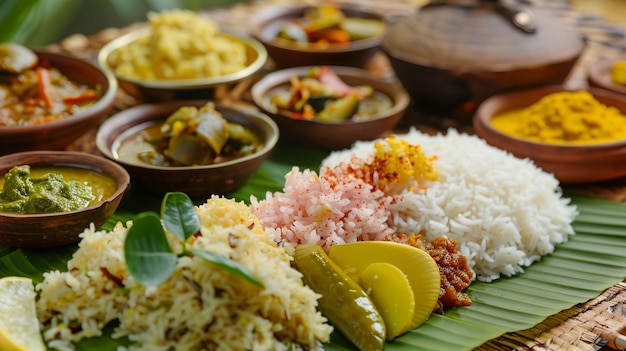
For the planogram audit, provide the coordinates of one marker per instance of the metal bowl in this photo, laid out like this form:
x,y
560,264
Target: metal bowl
x,y
201,88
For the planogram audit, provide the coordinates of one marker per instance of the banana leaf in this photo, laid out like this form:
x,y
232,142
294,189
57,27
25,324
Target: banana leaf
x,y
578,270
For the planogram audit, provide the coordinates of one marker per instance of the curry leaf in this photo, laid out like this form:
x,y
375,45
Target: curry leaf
x,y
179,215
148,254
229,265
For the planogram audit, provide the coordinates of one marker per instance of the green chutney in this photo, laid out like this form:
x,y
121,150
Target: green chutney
x,y
52,189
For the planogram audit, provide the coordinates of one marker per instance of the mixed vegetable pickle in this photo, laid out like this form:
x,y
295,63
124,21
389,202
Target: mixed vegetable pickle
x,y
372,291
343,301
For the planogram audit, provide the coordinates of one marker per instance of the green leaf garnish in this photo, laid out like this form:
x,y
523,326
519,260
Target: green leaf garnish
x,y
148,254
228,265
179,215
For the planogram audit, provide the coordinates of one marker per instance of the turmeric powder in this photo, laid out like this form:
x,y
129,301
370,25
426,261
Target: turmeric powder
x,y
568,117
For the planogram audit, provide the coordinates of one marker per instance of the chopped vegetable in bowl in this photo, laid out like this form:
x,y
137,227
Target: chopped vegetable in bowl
x,y
41,94
190,136
322,95
324,25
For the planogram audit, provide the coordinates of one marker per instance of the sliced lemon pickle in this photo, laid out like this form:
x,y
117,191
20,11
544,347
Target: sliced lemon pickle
x,y
418,266
391,292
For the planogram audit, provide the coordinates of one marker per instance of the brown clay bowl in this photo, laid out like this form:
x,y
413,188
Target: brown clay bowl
x,y
195,181
266,24
447,55
600,76
59,134
200,88
57,229
331,136
569,163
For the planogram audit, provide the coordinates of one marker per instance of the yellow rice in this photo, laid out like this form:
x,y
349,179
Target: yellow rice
x,y
201,307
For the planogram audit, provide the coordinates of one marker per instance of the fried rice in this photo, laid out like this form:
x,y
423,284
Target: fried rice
x,y
200,307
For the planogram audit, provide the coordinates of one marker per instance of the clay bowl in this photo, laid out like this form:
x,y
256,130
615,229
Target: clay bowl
x,y
266,24
57,229
57,135
449,56
331,136
570,164
199,88
195,181
599,76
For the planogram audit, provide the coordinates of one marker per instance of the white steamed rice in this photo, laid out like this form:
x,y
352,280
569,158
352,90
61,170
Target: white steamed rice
x,y
505,212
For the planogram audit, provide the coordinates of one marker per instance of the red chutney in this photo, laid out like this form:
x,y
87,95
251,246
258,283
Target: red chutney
x,y
40,95
455,272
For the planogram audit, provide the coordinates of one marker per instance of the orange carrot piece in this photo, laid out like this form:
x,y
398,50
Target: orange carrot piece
x,y
43,85
331,35
77,99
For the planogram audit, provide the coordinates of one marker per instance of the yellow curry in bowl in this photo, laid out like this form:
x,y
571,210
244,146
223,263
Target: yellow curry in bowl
x,y
566,118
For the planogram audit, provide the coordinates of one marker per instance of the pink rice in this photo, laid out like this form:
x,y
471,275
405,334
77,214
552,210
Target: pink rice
x,y
325,210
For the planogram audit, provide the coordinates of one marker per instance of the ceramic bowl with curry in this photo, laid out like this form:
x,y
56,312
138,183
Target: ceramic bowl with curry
x,y
330,107
48,198
180,55
192,146
578,135
307,35
609,74
49,100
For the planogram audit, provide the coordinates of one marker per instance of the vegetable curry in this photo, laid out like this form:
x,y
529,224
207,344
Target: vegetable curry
x,y
39,93
190,136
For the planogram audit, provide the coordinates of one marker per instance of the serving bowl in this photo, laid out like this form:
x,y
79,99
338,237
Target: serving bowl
x,y
198,88
196,181
599,76
328,135
449,56
57,229
266,24
570,163
58,134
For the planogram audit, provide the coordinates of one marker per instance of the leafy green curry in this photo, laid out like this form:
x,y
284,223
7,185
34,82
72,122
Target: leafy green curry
x,y
52,189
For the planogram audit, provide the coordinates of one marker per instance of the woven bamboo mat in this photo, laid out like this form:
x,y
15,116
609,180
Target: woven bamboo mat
x,y
592,325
